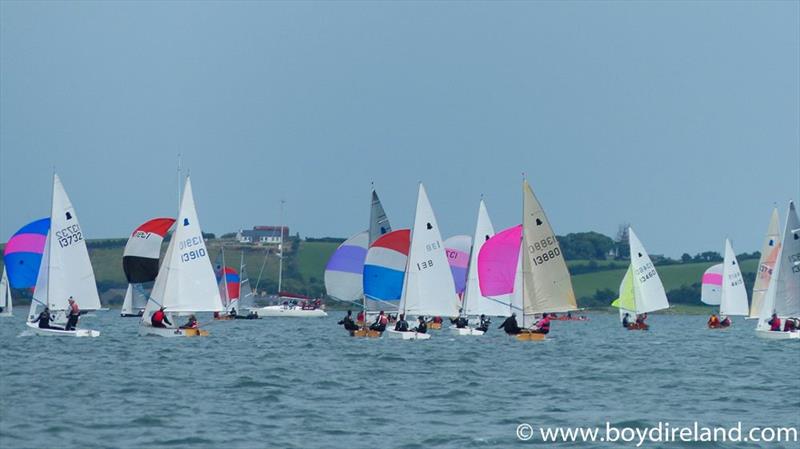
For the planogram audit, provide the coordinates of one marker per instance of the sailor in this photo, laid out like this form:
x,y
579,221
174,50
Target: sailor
x,y
626,320
380,323
510,325
713,321
159,318
726,322
542,326
73,313
484,324
774,323
461,322
422,327
191,324
348,322
402,324
44,320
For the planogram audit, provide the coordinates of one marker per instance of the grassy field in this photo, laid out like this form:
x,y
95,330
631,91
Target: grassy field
x,y
672,276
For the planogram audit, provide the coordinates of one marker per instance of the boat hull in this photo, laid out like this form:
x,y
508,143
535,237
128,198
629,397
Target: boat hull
x,y
59,333
777,335
434,326
530,336
366,333
131,315
172,332
397,335
465,331
638,327
296,312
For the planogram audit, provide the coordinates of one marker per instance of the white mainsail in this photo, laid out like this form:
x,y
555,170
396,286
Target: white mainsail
x,y
474,303
733,301
135,300
5,300
648,290
547,286
66,270
766,263
429,288
186,281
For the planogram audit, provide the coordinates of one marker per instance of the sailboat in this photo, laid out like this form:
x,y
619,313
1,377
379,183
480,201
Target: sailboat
x,y
384,274
769,254
246,296
641,290
6,303
472,302
783,294
428,283
65,270
731,295
140,263
185,281
533,273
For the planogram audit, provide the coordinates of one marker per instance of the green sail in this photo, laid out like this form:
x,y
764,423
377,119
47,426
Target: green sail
x,y
627,299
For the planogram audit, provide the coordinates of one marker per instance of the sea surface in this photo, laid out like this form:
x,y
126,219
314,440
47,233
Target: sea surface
x,y
304,383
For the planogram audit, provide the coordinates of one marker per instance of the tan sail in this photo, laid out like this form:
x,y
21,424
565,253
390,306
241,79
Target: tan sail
x,y
547,286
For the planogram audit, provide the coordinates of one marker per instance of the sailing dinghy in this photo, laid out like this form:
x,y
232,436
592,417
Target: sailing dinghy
x,y
526,262
65,270
22,258
723,285
140,263
185,281
641,290
429,288
783,294
472,302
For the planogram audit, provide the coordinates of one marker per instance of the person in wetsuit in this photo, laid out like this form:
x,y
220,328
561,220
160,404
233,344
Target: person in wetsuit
x,y
422,327
44,319
510,325
348,322
191,324
626,320
461,322
402,324
159,318
484,324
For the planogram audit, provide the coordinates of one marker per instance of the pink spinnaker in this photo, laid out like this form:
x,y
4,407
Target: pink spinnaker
x,y
497,262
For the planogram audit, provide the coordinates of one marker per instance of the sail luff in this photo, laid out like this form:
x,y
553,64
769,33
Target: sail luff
x,y
766,263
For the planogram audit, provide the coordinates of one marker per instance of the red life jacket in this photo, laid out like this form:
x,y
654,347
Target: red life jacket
x,y
384,320
158,317
775,324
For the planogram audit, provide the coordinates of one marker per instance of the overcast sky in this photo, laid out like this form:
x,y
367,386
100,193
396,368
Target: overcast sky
x,y
682,118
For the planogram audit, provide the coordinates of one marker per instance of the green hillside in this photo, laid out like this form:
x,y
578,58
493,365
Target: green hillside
x,y
595,282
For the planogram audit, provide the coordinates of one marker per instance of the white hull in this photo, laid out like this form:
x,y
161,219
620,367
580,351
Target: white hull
x,y
777,335
393,334
465,331
59,333
130,315
296,312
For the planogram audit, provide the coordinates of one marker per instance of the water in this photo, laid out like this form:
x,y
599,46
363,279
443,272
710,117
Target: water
x,y
295,383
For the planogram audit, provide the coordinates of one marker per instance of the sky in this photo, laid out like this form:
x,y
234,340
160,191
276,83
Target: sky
x,y
680,118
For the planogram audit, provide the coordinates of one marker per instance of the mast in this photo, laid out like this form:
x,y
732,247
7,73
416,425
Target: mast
x,y
224,278
179,182
50,239
280,252
522,249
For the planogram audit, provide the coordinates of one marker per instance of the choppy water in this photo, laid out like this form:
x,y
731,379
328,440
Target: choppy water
x,y
294,383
